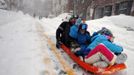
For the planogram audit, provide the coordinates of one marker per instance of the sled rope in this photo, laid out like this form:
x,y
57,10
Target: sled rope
x,y
65,66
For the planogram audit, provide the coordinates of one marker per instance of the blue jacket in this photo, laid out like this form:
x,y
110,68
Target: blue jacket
x,y
73,31
83,39
103,39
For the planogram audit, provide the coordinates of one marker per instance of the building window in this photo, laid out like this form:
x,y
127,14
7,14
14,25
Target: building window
x,y
99,12
116,9
108,10
123,8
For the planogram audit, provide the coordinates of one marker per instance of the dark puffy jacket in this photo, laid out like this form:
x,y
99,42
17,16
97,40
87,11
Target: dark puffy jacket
x,y
62,33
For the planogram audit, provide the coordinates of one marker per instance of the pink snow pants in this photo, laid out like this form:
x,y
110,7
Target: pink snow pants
x,y
100,53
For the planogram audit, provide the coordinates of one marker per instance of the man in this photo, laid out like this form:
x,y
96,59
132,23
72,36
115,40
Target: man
x,y
62,33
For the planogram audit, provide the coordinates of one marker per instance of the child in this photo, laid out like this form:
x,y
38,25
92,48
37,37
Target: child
x,y
101,52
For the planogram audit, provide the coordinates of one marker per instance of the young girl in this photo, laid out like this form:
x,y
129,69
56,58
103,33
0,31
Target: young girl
x,y
103,50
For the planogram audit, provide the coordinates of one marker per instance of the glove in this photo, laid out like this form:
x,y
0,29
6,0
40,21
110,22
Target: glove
x,y
95,33
58,43
86,51
117,54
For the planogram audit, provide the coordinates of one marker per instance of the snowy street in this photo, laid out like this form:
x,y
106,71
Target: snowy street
x,y
19,45
27,44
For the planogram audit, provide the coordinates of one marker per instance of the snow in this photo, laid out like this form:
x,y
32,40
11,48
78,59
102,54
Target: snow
x,y
123,36
24,51
123,20
19,52
116,26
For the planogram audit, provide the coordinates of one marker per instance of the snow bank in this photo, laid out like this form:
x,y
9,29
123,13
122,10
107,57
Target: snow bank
x,y
9,16
23,49
123,20
19,46
123,36
52,24
116,25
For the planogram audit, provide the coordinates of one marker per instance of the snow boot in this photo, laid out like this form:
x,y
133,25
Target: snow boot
x,y
121,58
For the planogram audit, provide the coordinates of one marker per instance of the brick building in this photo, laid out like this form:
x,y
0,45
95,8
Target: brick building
x,y
102,8
79,6
93,9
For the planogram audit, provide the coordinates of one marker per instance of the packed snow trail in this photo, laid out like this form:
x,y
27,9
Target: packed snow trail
x,y
47,59
62,61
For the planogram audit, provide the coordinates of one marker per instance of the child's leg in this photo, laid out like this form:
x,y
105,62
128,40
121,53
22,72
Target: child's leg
x,y
94,58
102,53
101,64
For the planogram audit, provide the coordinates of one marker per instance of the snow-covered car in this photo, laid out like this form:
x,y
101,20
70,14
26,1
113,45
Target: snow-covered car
x,y
3,4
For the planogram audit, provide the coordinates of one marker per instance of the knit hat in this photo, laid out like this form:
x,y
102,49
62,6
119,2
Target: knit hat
x,y
83,26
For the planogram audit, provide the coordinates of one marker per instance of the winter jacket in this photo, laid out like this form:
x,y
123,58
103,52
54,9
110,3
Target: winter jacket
x,y
103,39
83,39
73,31
62,33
